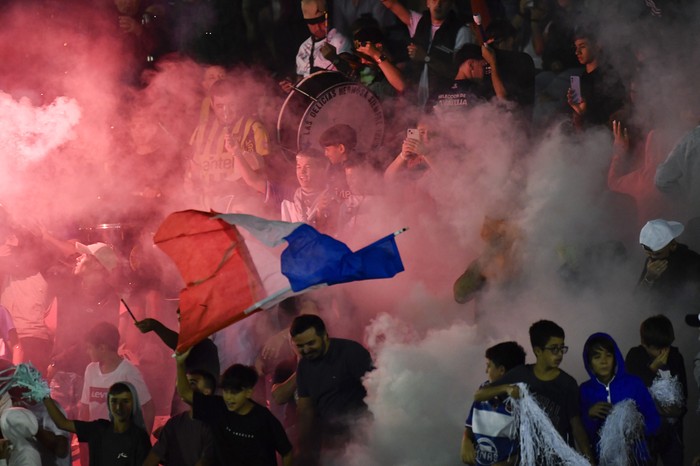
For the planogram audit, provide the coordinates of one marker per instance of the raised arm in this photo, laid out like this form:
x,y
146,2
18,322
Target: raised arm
x,y
168,336
392,74
490,56
283,392
183,385
58,417
410,149
399,10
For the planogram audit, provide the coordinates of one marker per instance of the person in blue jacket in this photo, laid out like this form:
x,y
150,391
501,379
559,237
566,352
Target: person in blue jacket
x,y
608,385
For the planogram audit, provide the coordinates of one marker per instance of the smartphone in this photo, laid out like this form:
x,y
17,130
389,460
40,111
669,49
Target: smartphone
x,y
576,86
412,133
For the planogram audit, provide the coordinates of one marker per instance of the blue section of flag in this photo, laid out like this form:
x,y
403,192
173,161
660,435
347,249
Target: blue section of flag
x,y
312,258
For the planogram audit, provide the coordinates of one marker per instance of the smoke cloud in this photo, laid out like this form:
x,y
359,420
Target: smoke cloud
x,y
81,146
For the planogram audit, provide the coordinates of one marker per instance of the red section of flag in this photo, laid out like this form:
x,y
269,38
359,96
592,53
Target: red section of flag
x,y
221,279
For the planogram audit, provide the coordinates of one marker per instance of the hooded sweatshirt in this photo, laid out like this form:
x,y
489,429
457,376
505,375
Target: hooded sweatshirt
x,y
109,448
621,387
136,413
19,426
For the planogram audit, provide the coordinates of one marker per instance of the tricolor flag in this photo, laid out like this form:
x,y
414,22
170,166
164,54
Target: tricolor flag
x,y
222,283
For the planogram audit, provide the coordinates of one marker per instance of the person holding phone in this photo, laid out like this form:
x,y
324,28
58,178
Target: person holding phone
x,y
602,92
414,158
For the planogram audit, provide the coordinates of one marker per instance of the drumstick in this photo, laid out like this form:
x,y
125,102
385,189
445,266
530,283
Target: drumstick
x,y
294,88
477,21
129,310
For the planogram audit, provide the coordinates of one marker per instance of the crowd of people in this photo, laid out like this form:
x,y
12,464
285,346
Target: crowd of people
x,y
453,87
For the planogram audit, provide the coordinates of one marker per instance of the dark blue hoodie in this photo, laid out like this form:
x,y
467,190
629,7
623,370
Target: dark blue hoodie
x,y
623,386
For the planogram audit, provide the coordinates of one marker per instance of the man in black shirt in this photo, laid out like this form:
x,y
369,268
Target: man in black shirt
x,y
329,384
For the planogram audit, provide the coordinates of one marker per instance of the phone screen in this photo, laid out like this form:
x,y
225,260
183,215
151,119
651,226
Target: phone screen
x,y
576,87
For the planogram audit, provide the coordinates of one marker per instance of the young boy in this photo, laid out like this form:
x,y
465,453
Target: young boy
x,y
647,361
610,384
488,431
185,441
107,368
555,390
121,441
245,433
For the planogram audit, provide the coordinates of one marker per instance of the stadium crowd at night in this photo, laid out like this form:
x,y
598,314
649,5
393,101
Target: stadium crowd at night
x,y
349,232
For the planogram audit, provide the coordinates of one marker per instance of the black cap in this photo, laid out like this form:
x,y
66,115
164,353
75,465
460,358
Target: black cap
x,y
693,320
367,29
468,51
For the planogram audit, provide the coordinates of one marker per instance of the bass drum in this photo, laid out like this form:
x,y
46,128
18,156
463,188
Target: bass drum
x,y
119,235
324,99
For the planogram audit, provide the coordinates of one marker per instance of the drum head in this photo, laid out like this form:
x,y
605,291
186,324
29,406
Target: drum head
x,y
325,99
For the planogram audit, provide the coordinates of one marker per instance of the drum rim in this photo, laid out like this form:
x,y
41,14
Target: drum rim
x,y
294,93
103,226
381,110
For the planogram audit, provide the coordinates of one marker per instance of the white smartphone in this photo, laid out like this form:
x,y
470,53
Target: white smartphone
x,y
412,133
576,87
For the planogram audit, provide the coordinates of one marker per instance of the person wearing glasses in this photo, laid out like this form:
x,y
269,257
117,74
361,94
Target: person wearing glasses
x,y
555,391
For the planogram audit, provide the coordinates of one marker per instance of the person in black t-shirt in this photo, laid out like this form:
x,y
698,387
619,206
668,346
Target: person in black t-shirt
x,y
185,441
329,386
245,433
120,441
602,90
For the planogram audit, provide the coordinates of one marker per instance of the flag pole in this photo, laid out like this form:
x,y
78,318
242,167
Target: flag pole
x,y
267,300
276,295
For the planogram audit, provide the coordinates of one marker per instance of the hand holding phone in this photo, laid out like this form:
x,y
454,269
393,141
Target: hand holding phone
x,y
412,144
576,88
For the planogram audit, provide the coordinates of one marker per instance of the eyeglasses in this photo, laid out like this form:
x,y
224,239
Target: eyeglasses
x,y
555,350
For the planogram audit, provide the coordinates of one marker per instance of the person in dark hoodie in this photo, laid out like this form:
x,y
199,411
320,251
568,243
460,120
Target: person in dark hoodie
x,y
120,441
610,384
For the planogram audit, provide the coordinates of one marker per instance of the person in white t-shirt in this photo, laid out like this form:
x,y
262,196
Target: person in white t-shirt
x,y
106,369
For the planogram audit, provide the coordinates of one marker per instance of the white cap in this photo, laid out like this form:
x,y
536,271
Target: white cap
x,y
657,234
104,253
